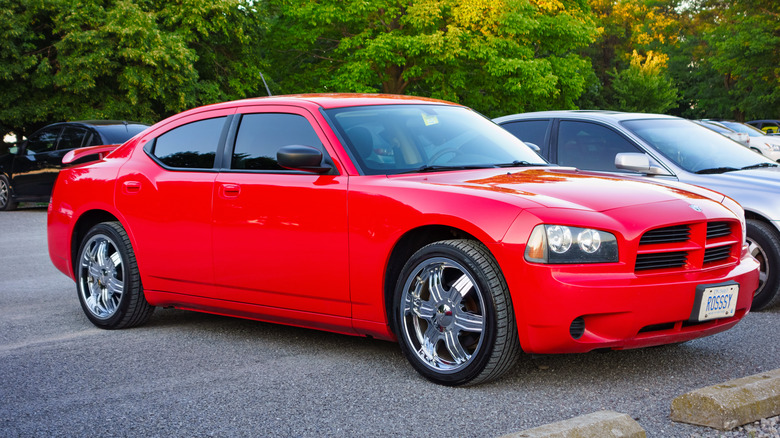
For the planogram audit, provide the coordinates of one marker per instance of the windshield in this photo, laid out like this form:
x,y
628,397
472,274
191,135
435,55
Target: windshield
x,y
745,129
392,139
695,148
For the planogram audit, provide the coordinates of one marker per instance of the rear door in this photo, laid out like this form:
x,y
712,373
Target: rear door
x,y
36,166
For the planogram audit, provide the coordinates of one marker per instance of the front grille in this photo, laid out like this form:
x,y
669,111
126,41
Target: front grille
x,y
688,246
678,233
662,260
716,254
718,229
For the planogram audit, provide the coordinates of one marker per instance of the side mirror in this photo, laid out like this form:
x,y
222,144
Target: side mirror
x,y
534,146
636,162
305,158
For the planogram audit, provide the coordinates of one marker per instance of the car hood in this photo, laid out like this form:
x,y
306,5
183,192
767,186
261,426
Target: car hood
x,y
756,189
561,188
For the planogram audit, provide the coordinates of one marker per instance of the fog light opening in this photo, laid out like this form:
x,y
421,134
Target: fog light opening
x,y
577,328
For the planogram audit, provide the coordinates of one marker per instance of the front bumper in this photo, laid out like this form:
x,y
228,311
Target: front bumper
x,y
569,310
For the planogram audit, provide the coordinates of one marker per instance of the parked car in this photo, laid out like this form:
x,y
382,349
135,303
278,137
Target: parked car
x,y
668,148
768,126
740,137
397,218
767,145
28,171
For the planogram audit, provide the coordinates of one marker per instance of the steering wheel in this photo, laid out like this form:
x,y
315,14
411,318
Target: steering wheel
x,y
441,153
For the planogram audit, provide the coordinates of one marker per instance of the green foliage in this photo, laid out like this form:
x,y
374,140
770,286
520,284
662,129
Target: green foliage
x,y
643,87
137,60
496,56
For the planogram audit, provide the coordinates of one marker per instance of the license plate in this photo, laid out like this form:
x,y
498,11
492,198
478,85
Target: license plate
x,y
718,302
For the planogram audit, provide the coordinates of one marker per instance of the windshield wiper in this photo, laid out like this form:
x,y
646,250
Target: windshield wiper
x,y
759,165
430,168
717,170
517,163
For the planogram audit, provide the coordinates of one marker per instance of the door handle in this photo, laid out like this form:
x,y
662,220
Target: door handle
x,y
131,187
229,191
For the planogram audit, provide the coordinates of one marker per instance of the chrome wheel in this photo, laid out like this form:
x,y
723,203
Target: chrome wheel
x,y
3,192
101,276
6,203
764,245
443,314
764,269
453,314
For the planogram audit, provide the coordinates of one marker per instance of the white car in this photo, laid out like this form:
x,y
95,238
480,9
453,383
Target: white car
x,y
720,128
768,145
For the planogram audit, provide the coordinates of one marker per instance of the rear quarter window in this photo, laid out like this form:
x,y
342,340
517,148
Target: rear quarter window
x,y
190,146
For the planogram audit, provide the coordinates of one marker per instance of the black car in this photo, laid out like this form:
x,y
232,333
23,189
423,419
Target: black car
x,y
27,172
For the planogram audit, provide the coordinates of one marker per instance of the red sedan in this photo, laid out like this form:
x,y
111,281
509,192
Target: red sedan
x,y
398,218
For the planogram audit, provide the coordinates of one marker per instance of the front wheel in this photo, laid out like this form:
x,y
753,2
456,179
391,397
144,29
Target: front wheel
x,y
453,314
108,283
6,201
764,245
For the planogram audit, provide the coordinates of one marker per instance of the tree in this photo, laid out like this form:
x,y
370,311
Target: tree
x,y
643,86
629,32
497,56
139,60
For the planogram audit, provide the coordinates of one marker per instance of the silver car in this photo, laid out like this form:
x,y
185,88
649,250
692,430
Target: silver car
x,y
668,148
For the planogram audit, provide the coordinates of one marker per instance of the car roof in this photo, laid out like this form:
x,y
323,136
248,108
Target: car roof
x,y
332,100
598,115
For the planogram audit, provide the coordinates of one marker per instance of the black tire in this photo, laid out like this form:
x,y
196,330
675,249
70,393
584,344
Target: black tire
x,y
107,279
764,245
6,200
462,330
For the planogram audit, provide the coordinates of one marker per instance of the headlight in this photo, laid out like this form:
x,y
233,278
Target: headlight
x,y
562,244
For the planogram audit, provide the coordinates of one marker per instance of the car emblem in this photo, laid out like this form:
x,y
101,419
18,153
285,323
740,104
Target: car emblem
x,y
695,207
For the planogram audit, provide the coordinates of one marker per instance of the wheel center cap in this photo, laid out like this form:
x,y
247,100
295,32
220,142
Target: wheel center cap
x,y
444,316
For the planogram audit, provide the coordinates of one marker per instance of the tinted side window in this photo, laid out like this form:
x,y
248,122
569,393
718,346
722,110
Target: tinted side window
x,y
530,131
191,146
71,138
590,146
261,135
43,141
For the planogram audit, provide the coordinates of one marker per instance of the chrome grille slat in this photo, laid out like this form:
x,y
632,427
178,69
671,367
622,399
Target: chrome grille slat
x,y
673,234
717,254
718,229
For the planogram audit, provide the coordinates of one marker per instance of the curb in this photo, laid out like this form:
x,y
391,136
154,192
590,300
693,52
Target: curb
x,y
598,424
730,404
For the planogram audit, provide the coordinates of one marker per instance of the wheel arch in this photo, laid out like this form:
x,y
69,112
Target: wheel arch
x,y
84,223
749,214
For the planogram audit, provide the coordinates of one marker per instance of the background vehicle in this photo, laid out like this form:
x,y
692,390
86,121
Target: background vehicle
x,y
668,148
767,145
718,127
768,126
398,218
28,171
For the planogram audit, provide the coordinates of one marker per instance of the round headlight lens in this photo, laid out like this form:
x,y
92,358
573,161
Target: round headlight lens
x,y
559,238
589,241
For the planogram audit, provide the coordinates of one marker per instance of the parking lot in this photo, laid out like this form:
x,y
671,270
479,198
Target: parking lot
x,y
192,374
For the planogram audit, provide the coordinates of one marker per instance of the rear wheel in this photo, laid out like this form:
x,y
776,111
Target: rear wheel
x,y
453,314
764,245
6,202
109,286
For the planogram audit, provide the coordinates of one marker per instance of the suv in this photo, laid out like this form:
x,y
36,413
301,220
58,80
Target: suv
x,y
668,148
28,171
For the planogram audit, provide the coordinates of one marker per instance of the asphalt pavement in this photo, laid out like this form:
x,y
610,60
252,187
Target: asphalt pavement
x,y
194,374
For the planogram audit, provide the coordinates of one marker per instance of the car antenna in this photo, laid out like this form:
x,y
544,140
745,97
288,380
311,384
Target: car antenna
x,y
266,84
